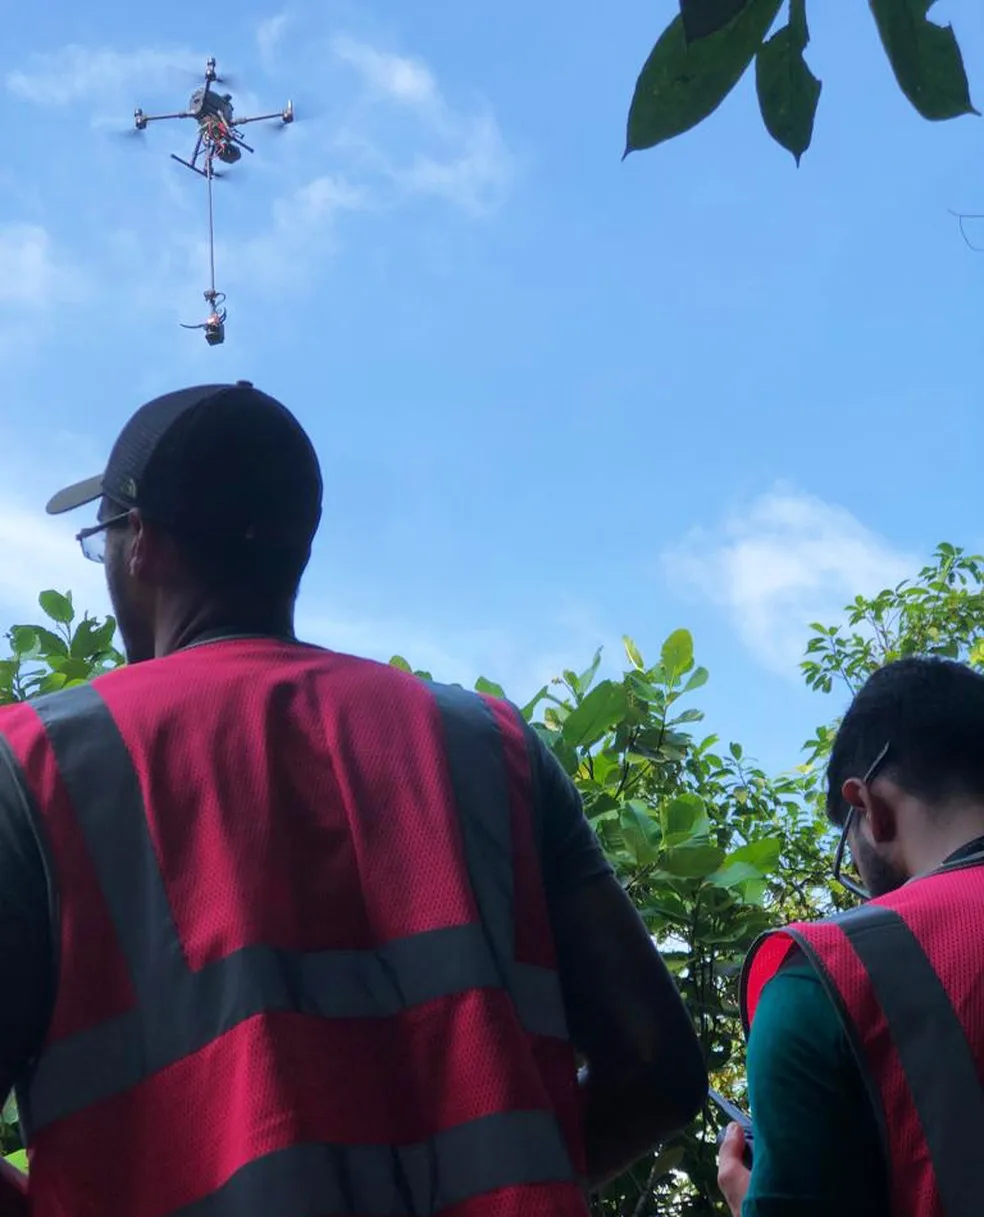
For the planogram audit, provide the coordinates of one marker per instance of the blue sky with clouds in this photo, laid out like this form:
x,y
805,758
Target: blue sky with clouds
x,y
557,397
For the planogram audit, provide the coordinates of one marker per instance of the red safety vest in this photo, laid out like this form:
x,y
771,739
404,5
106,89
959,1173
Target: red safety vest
x,y
906,974
305,966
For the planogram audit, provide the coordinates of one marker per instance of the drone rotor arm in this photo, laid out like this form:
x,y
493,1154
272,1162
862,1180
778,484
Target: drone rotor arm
x,y
265,118
157,118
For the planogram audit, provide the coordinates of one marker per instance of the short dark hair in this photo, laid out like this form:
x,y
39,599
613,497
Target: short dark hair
x,y
930,713
268,574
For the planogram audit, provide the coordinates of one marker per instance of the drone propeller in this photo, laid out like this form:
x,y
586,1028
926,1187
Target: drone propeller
x,y
131,134
302,111
231,80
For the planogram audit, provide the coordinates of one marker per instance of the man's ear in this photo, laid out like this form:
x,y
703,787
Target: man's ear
x,y
152,557
874,809
136,558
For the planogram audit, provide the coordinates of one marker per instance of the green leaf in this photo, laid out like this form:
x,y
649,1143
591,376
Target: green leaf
x,y
632,651
681,84
23,640
788,92
76,670
698,677
49,644
531,705
749,864
692,861
399,662
52,683
588,675
9,1113
667,1161
763,854
57,607
596,715
490,687
679,817
677,654
701,18
925,58
640,833
18,1160
88,640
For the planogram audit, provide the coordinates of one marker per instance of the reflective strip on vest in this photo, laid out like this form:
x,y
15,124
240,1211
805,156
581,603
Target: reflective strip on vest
x,y
179,1011
928,1038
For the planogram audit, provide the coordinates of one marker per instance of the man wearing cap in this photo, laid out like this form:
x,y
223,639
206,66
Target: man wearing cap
x,y
288,933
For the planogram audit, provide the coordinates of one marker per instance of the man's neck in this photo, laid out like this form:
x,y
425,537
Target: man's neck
x,y
186,628
950,839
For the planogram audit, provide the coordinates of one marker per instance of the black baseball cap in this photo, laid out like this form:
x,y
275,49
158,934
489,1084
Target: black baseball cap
x,y
223,462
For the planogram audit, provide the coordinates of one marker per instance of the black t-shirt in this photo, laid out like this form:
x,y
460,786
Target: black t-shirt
x,y
570,856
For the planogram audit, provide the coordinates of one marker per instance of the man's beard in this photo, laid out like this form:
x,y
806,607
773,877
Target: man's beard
x,y
138,637
878,874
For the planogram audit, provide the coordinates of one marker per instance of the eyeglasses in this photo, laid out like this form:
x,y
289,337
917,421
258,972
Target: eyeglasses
x,y
93,540
845,880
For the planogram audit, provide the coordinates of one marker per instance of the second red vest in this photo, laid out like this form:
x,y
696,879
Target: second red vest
x,y
906,974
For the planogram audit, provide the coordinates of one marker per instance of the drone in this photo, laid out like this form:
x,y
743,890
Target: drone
x,y
220,138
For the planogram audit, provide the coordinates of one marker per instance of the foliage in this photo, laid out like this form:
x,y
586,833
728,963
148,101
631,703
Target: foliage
x,y
45,658
699,836
708,47
939,612
711,849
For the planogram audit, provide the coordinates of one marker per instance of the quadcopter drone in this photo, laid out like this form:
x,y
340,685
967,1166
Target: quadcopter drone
x,y
219,138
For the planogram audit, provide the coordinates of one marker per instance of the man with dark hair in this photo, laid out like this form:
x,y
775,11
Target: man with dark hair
x,y
286,932
866,1044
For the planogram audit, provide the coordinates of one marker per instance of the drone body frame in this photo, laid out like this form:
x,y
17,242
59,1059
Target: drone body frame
x,y
219,138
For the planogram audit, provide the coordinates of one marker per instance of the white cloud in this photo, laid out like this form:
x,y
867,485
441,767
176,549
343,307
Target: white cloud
x,y
31,276
77,73
318,202
466,162
395,76
270,34
40,553
785,560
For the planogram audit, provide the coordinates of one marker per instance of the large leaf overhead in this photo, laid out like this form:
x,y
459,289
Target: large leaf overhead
x,y
925,58
701,18
706,48
682,83
788,92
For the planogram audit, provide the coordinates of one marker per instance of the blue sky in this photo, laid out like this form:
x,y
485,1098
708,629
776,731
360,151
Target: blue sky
x,y
557,397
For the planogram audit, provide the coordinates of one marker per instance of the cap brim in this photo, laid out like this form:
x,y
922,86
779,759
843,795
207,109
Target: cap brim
x,y
76,496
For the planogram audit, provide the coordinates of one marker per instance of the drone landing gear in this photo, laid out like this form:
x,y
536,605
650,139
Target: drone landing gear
x,y
214,323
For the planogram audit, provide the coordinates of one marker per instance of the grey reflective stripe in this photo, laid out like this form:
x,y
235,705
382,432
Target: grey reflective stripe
x,y
478,777
180,1010
936,1058
508,1150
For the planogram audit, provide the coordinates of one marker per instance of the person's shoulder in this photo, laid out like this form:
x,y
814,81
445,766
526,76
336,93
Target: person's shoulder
x,y
795,1015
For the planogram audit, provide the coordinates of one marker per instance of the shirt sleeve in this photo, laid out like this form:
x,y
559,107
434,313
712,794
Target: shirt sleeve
x,y
571,853
817,1146
26,955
